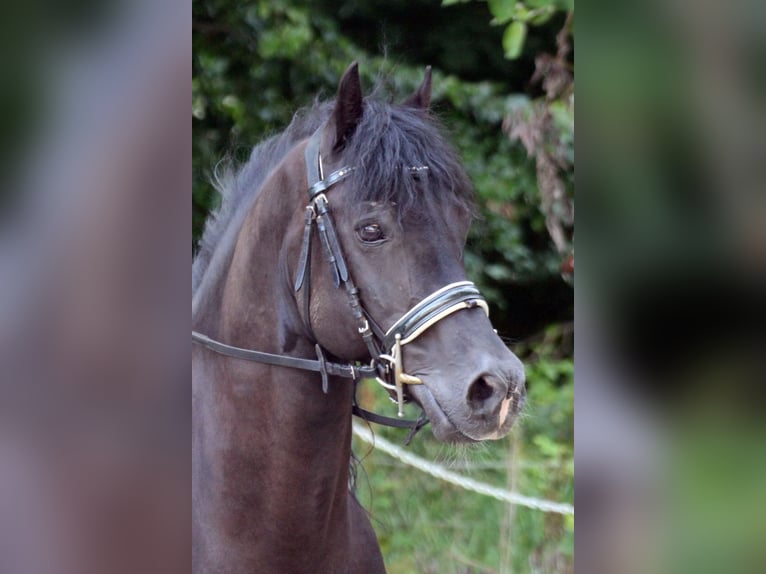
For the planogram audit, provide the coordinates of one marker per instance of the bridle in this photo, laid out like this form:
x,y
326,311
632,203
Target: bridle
x,y
385,347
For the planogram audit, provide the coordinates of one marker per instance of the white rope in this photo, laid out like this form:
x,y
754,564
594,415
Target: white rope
x,y
457,479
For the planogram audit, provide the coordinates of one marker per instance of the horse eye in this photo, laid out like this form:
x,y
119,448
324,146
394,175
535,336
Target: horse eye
x,y
370,233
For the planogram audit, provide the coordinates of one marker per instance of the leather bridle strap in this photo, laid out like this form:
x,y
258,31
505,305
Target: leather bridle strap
x,y
318,211
413,425
438,305
321,365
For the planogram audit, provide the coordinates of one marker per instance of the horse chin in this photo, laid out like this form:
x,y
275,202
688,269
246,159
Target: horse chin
x,y
443,428
447,429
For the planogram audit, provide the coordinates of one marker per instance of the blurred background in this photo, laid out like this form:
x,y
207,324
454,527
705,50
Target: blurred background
x,y
504,88
95,177
671,306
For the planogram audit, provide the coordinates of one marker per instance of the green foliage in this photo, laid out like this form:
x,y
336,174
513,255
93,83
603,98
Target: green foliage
x,y
513,39
518,16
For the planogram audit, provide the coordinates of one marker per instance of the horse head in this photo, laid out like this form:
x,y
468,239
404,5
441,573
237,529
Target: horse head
x,y
399,210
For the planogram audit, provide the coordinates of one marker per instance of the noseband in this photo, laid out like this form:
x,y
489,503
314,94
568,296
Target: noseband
x,y
385,348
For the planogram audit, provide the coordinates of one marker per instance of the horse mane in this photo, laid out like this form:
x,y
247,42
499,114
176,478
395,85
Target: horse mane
x,y
389,141
239,187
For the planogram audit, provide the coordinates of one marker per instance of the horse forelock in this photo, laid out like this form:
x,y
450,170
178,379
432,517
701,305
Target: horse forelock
x,y
401,156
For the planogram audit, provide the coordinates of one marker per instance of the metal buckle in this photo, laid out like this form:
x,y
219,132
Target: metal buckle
x,y
400,377
317,197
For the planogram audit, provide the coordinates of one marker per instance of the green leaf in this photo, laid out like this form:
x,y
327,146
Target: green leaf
x,y
542,15
513,39
502,10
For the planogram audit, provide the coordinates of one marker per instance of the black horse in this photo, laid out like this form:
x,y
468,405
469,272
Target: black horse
x,y
296,297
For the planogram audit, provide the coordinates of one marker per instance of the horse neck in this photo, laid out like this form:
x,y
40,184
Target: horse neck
x,y
279,447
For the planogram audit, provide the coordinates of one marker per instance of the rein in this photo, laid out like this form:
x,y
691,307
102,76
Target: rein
x,y
321,366
385,349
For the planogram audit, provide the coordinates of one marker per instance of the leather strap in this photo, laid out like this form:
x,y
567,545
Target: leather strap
x,y
317,182
317,210
318,366
326,183
414,424
305,248
311,156
330,239
434,307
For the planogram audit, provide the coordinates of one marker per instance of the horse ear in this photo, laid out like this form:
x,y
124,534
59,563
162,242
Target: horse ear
x,y
421,98
348,106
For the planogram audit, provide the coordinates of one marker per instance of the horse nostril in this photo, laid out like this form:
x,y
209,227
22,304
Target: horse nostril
x,y
484,389
480,391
